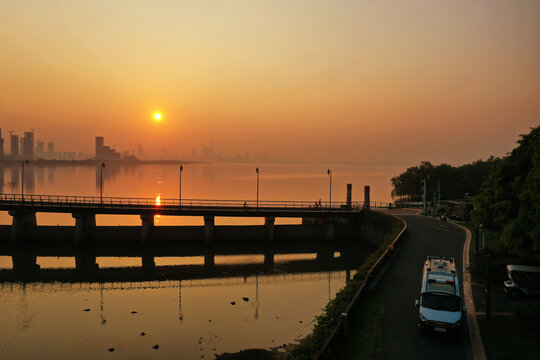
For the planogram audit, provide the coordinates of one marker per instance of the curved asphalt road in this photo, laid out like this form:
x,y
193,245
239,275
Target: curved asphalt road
x,y
400,286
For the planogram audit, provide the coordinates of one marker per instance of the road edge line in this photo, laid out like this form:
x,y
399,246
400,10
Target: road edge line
x,y
474,330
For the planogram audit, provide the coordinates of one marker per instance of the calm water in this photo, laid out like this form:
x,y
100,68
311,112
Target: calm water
x,y
185,306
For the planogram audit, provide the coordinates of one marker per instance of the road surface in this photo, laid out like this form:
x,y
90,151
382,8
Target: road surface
x,y
400,286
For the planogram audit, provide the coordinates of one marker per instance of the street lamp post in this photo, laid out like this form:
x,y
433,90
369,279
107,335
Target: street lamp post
x,y
329,172
23,164
180,185
102,166
424,196
257,171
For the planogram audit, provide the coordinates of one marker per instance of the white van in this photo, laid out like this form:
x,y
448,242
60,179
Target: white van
x,y
523,281
440,304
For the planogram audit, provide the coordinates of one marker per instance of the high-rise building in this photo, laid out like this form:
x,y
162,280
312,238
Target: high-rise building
x,y
28,145
40,148
100,144
14,144
105,152
50,147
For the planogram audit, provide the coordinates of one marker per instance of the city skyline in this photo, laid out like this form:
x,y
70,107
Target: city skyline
x,y
353,82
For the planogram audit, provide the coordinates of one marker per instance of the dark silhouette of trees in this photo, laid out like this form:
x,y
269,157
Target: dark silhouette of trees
x,y
509,201
455,181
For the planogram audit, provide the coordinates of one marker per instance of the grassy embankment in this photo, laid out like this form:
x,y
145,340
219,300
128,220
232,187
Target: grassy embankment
x,y
513,336
325,323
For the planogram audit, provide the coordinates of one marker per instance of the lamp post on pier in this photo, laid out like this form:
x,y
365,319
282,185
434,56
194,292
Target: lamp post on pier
x,y
23,164
102,166
257,171
180,185
329,172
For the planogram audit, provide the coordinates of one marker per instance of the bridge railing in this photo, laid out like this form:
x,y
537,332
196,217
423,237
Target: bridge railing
x,y
158,202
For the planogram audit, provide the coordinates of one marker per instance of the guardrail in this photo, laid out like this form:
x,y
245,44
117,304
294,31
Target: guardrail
x,y
97,201
339,334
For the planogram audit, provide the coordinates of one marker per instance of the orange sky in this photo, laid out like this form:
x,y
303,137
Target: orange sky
x,y
369,82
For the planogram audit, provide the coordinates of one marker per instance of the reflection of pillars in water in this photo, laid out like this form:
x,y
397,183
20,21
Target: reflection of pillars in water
x,y
85,263
209,260
24,263
25,313
256,297
180,315
148,262
101,305
269,257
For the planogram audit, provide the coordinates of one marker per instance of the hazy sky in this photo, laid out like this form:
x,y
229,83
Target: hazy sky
x,y
363,81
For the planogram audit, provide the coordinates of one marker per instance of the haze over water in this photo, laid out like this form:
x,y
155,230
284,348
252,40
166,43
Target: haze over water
x,y
287,182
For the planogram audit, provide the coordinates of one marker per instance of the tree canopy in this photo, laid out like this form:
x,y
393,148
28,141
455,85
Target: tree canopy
x,y
455,181
509,201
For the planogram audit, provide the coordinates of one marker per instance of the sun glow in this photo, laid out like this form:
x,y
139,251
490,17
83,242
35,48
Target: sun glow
x,y
157,117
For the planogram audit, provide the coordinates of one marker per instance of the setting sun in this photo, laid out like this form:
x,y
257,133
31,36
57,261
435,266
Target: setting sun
x,y
157,117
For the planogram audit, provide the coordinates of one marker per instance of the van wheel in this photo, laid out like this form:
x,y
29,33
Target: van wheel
x,y
515,293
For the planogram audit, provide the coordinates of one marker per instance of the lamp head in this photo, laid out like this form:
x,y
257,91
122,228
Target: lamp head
x,y
257,170
102,165
329,171
27,163
181,167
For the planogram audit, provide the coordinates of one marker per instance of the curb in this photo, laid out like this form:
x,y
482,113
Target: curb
x,y
474,330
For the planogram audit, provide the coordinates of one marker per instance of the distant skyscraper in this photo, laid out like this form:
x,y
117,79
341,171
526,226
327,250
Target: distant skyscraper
x,y
40,148
140,152
28,145
14,144
50,147
105,152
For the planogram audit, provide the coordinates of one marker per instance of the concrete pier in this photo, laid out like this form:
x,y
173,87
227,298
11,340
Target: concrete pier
x,y
147,228
23,225
85,223
329,230
269,222
208,230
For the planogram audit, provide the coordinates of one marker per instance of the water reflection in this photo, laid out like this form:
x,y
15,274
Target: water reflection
x,y
68,263
195,301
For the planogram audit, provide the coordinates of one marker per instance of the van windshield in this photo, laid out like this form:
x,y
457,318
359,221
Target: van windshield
x,y
439,301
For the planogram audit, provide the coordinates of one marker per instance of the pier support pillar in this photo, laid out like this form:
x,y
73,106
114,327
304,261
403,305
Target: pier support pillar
x,y
269,223
147,228
208,229
23,226
329,230
85,223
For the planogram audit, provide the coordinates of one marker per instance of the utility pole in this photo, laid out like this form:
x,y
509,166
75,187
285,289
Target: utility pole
x,y
424,196
438,194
